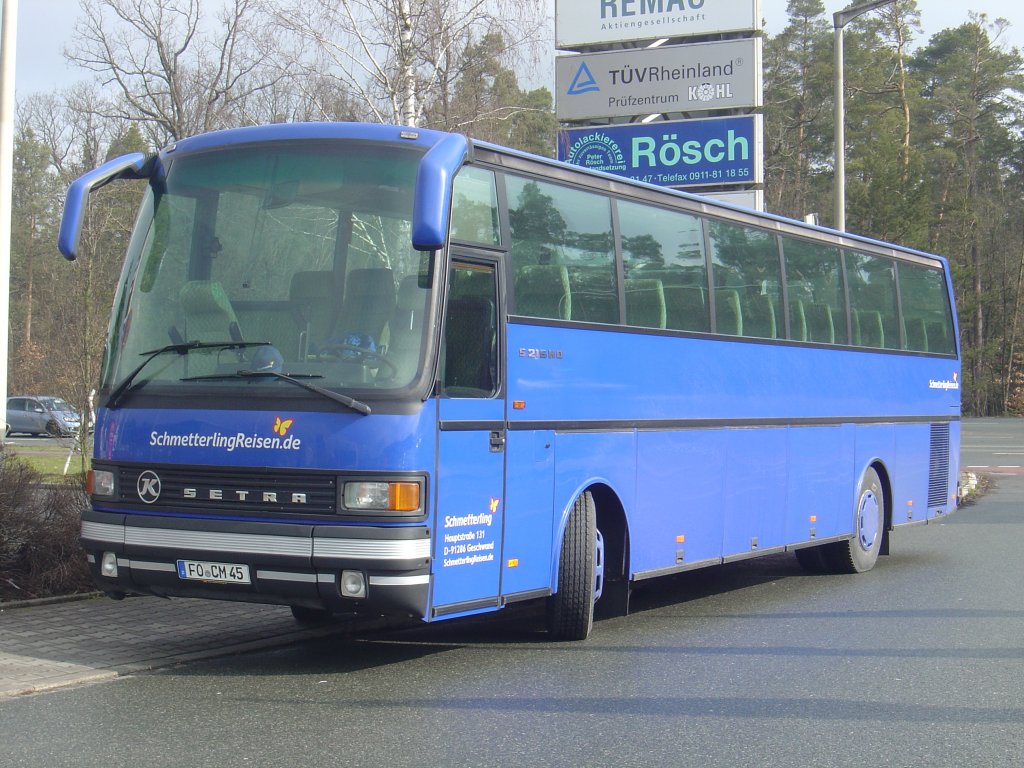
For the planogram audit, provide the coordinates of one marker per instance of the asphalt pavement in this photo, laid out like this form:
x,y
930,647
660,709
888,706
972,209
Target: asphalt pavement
x,y
53,644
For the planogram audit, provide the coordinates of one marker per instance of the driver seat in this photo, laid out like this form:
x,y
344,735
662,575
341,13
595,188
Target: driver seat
x,y
369,302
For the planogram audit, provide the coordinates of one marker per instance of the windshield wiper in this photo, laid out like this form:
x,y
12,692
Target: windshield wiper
x,y
349,402
181,349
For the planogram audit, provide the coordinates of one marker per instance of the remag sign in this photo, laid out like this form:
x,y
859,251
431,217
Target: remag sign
x,y
583,23
684,153
680,78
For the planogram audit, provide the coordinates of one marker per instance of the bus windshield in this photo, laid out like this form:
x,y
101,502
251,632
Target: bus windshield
x,y
297,256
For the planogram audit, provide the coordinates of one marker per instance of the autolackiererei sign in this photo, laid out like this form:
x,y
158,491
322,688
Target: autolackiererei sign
x,y
678,78
583,23
684,153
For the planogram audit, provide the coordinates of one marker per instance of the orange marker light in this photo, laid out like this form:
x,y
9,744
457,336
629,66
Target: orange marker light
x,y
518,405
814,518
513,563
404,497
680,539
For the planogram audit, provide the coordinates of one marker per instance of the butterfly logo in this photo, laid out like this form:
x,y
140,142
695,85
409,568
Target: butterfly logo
x,y
281,426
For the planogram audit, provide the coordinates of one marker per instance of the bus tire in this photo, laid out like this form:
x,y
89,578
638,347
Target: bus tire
x,y
570,614
860,553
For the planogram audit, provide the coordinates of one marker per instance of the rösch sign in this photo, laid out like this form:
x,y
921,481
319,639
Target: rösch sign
x,y
686,153
583,23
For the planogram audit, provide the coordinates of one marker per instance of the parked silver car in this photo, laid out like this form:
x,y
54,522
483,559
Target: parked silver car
x,y
41,415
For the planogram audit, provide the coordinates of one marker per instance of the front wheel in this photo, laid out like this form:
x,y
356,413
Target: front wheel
x,y
571,609
860,553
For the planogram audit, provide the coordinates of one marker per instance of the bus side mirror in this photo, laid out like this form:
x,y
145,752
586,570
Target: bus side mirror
x,y
433,197
133,166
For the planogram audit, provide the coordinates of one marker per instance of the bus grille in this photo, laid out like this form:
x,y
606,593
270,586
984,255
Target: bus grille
x,y
938,466
230,491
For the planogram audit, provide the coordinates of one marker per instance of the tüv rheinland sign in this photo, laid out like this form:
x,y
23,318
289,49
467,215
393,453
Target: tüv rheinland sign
x,y
685,153
583,23
678,78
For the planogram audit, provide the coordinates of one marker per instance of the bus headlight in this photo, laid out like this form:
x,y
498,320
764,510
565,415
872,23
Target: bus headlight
x,y
99,482
382,497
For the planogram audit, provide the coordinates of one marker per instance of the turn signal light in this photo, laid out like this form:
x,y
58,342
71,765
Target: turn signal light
x,y
404,497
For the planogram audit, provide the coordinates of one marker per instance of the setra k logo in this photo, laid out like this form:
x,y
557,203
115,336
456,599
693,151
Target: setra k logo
x,y
148,486
281,426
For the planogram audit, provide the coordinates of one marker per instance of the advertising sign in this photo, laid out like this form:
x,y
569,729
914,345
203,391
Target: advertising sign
x,y
685,153
582,23
640,81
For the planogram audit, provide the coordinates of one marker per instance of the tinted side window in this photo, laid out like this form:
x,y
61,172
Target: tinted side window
x,y
927,321
817,301
872,301
666,275
748,283
475,207
562,252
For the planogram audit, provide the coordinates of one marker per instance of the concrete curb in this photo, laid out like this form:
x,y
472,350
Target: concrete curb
x,y
55,600
66,681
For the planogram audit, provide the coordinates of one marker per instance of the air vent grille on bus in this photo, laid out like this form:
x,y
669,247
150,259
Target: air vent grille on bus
x,y
938,466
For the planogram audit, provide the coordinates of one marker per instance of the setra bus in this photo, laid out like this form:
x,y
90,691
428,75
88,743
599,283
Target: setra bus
x,y
378,370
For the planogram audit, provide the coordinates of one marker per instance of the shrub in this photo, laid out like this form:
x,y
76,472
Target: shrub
x,y
40,555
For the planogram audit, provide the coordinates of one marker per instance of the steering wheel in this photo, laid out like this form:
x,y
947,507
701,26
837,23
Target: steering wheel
x,y
368,358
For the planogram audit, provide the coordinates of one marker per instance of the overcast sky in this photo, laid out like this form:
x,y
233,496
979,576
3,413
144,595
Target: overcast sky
x,y
45,28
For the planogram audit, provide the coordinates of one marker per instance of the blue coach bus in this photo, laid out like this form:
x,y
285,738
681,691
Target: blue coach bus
x,y
378,370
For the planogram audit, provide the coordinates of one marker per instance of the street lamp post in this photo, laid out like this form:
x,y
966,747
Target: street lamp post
x,y
839,20
8,38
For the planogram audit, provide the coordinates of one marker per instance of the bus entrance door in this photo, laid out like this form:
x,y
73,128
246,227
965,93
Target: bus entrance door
x,y
471,446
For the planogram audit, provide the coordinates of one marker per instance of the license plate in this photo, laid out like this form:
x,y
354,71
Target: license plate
x,y
220,573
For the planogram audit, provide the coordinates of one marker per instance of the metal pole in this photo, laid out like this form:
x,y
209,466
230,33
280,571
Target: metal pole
x,y
8,42
840,136
839,20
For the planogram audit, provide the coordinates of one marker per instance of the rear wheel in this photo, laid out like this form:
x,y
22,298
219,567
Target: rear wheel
x,y
860,553
571,608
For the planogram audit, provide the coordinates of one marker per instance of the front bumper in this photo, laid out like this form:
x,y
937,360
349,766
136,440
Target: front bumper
x,y
289,563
